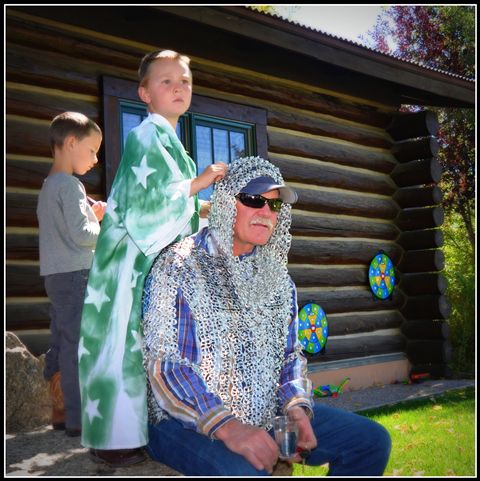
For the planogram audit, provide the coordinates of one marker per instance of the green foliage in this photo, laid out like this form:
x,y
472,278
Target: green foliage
x,y
460,274
457,156
430,437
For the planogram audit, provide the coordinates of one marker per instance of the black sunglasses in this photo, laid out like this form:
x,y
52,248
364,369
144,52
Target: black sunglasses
x,y
258,201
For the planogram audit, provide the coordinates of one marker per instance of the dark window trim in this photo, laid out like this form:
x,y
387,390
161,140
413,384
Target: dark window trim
x,y
116,89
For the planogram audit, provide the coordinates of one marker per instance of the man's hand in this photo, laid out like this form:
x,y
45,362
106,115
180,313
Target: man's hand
x,y
253,443
306,437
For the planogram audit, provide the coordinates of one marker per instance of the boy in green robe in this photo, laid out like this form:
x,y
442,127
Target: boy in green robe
x,y
152,203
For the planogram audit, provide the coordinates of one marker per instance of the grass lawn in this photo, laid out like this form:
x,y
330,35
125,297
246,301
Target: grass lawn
x,y
430,437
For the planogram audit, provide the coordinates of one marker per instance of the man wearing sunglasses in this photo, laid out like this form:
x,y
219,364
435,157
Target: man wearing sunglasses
x,y
221,350
258,205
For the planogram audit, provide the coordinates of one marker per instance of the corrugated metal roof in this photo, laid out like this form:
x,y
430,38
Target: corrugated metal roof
x,y
357,44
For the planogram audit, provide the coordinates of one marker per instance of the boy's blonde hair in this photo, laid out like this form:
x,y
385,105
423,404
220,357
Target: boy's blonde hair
x,y
70,123
148,59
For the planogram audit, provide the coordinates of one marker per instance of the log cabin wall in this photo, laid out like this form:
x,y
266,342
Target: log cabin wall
x,y
426,307
331,146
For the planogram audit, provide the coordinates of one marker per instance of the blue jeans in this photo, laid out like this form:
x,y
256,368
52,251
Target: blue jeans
x,y
353,445
66,292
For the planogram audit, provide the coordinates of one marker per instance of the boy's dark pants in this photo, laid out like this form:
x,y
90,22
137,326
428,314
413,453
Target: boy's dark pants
x,y
66,292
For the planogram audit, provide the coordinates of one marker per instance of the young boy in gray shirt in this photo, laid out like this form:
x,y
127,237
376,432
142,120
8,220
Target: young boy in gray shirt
x,y
68,231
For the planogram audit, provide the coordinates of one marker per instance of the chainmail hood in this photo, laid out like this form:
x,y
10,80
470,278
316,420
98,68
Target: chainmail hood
x,y
223,211
269,262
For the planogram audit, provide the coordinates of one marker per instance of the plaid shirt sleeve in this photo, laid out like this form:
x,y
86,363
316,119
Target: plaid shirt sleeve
x,y
179,389
295,387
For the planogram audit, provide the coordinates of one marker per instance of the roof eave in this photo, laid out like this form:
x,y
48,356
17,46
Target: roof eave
x,y
425,86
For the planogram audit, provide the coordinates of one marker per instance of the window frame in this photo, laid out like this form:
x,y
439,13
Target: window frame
x,y
116,90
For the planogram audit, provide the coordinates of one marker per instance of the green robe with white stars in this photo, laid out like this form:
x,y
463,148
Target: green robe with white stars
x,y
149,207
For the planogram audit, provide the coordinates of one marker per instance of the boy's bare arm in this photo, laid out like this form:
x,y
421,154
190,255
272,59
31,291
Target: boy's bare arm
x,y
213,173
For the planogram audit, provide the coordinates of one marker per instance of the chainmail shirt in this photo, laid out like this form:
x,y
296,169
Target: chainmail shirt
x,y
242,307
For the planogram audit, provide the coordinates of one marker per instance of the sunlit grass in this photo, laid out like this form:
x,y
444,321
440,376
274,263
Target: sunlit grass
x,y
430,437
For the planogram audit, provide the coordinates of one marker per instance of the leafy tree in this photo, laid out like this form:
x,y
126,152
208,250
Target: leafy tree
x,y
440,37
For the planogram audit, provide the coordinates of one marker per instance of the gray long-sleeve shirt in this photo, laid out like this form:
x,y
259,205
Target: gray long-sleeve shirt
x,y
68,227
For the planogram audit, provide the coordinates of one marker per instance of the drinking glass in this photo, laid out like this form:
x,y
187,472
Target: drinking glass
x,y
286,433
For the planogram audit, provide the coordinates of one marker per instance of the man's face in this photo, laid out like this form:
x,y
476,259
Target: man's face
x,y
253,227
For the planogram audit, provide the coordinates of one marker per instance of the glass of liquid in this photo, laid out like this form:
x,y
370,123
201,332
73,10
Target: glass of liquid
x,y
286,433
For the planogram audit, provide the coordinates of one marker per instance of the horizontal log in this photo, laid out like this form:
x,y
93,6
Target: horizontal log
x,y
303,251
37,343
258,88
416,149
361,322
30,315
310,147
426,329
421,239
27,137
336,226
418,196
346,203
24,281
428,260
326,128
28,174
362,346
417,172
429,351
45,105
22,247
413,124
73,44
43,68
329,175
419,218
426,307
324,251
21,210
435,371
308,276
423,283
355,300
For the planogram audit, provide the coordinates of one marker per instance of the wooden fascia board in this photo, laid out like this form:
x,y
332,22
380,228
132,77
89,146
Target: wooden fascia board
x,y
326,49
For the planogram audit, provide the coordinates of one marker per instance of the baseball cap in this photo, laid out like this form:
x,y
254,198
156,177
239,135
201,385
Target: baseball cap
x,y
264,184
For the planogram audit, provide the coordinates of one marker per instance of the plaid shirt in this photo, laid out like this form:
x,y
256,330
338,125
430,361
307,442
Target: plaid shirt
x,y
184,395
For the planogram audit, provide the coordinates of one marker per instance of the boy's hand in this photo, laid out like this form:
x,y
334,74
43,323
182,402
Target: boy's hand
x,y
204,209
99,209
213,173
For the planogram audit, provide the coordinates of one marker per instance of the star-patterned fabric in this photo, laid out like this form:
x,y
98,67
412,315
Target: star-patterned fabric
x,y
148,208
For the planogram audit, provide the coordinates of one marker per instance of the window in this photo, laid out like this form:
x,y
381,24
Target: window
x,y
132,114
211,131
207,139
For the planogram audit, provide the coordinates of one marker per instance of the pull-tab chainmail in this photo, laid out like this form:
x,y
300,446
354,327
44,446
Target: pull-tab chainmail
x,y
242,307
